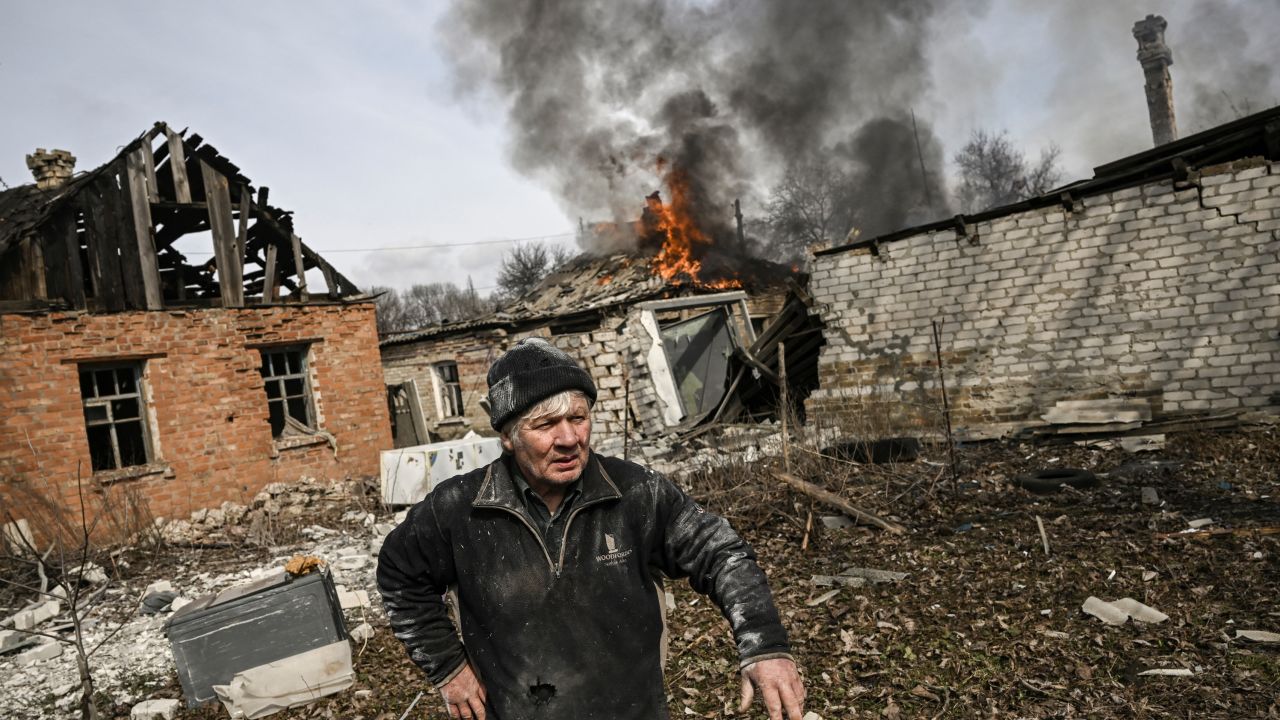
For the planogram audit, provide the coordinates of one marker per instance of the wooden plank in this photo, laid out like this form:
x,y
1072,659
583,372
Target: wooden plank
x,y
270,289
178,167
33,269
337,283
330,280
104,262
242,233
1100,411
146,154
230,266
76,285
119,213
53,250
299,266
144,230
838,503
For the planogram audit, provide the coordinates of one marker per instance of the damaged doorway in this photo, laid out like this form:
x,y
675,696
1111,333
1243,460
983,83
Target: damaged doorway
x,y
408,429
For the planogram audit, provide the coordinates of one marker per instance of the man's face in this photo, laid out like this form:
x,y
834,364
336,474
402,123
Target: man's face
x,y
552,450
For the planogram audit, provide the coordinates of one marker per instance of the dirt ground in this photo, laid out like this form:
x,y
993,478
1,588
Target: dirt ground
x,y
985,623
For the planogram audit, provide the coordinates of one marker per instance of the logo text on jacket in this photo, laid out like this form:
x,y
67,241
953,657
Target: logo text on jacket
x,y
612,555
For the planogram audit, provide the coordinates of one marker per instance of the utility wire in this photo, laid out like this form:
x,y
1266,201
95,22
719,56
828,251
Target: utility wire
x,y
432,246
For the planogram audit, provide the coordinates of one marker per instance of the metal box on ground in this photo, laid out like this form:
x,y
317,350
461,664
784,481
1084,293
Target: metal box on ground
x,y
242,627
408,474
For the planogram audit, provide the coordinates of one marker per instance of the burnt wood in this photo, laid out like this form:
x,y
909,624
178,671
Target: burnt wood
x,y
119,210
101,239
64,277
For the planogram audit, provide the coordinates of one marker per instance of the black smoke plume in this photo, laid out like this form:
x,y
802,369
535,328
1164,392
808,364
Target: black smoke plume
x,y
605,97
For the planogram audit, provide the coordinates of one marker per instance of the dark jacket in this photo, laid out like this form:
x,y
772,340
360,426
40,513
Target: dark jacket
x,y
570,637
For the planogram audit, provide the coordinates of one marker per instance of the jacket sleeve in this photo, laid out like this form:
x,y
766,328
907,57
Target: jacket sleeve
x,y
415,569
703,547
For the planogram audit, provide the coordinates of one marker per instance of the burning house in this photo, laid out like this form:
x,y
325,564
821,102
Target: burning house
x,y
683,331
128,369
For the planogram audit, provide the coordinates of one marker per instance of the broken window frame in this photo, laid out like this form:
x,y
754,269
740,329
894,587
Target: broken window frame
x,y
300,372
106,403
742,334
448,388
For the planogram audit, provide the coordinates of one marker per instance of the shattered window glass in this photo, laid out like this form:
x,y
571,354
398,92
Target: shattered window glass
x,y
698,350
284,377
115,423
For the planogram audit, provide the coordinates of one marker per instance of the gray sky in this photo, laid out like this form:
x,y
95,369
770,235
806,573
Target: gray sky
x,y
348,111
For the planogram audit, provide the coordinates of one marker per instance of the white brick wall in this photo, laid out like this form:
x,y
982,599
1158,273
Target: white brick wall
x,y
1173,293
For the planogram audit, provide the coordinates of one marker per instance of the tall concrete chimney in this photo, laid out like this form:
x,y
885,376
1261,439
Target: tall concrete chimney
x,y
1156,59
51,168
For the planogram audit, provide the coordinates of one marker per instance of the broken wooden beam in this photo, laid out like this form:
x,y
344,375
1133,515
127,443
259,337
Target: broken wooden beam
x,y
825,496
230,263
140,191
1219,532
178,167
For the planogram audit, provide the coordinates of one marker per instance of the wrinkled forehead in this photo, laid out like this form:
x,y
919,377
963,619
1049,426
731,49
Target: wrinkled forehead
x,y
578,406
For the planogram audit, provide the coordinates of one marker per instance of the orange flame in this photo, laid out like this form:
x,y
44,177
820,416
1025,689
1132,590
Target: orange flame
x,y
677,260
680,233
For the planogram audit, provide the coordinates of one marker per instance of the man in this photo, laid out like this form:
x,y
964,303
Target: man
x,y
554,552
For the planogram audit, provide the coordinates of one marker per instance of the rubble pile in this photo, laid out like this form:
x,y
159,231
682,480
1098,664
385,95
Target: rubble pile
x,y
276,504
38,675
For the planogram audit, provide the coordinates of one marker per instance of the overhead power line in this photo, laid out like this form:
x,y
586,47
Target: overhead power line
x,y
431,246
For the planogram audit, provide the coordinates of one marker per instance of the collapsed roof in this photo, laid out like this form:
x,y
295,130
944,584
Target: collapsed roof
x,y
105,239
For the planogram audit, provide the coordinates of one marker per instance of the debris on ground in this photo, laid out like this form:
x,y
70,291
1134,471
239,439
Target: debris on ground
x,y
983,624
1121,611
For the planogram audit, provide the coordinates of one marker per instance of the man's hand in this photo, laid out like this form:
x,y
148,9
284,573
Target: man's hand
x,y
464,695
781,689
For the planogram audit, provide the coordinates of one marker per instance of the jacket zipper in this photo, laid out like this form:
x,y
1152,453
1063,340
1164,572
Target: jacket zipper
x,y
536,536
564,539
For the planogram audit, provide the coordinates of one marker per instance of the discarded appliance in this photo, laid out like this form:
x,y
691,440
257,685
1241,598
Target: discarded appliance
x,y
408,474
246,626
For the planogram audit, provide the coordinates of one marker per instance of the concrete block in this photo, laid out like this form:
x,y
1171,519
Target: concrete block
x,y
351,599
165,709
48,651
362,633
30,618
13,640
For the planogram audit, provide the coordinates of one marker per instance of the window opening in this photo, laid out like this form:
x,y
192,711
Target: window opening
x,y
450,389
114,415
284,375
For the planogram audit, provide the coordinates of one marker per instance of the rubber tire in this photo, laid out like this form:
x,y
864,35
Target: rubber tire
x,y
1051,480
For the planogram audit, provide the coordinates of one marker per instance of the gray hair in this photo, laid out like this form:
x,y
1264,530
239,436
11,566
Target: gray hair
x,y
558,404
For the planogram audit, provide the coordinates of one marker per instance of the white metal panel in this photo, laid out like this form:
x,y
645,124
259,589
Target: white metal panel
x,y
408,474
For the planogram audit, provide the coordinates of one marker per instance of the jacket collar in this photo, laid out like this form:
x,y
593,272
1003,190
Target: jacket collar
x,y
499,488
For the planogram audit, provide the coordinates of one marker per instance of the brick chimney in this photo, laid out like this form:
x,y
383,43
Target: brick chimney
x,y
51,168
1156,59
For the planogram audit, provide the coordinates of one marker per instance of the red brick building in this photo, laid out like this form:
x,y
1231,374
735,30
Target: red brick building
x,y
132,375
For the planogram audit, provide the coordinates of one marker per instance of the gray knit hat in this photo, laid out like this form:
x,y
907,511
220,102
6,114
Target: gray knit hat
x,y
528,373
